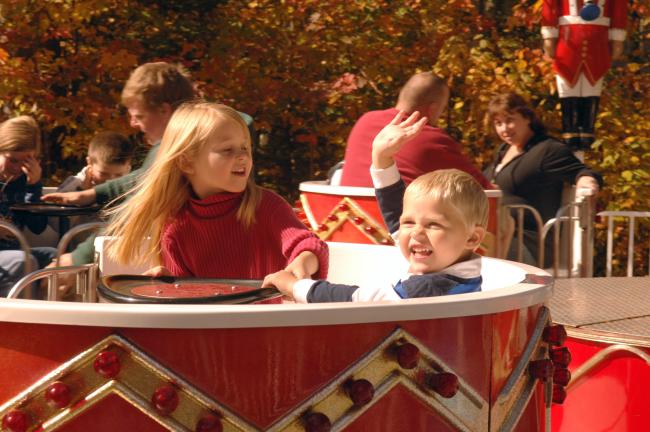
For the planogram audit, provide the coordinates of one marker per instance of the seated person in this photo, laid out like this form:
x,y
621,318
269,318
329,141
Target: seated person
x,y
20,175
109,157
432,149
444,220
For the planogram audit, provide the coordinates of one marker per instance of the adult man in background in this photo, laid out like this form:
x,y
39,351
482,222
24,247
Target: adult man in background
x,y
432,149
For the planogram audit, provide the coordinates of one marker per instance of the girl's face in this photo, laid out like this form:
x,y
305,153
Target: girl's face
x,y
513,128
12,162
223,164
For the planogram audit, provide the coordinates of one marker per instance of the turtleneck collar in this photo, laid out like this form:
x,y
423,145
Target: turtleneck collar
x,y
217,205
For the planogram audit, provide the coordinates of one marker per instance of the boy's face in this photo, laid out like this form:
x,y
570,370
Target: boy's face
x,y
433,236
100,172
151,121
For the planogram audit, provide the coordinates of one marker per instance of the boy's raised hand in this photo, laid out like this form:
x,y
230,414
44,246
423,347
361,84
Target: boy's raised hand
x,y
393,136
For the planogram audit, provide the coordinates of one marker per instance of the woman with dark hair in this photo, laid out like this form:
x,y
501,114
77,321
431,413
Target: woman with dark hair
x,y
532,167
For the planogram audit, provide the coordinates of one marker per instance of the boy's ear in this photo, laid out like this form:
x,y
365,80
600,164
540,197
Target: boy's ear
x,y
87,160
185,164
475,238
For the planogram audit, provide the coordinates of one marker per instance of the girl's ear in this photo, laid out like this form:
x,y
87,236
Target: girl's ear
x,y
185,164
475,237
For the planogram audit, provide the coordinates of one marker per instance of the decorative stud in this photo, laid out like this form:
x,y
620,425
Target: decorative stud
x,y
107,364
444,383
561,356
541,369
361,391
559,394
408,355
344,207
15,421
301,214
332,217
58,394
561,376
358,220
386,241
317,422
554,335
297,204
322,227
370,229
165,399
209,423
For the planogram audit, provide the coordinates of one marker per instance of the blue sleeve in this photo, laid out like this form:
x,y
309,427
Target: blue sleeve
x,y
325,292
390,203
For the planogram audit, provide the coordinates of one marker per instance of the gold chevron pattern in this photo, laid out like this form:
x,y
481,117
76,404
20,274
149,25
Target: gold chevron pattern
x,y
347,210
140,376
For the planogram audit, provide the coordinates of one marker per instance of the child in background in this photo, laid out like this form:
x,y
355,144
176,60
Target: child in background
x,y
443,222
109,157
20,175
203,212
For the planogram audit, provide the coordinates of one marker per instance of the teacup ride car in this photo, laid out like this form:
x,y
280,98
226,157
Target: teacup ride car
x,y
351,215
468,362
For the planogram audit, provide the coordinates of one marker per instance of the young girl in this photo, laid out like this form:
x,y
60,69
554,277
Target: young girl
x,y
20,175
202,211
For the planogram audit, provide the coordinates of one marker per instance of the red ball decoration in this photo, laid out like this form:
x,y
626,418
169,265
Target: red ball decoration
x,y
165,399
559,394
541,369
554,335
386,242
561,376
358,220
408,355
209,423
297,204
445,384
301,215
370,229
317,422
561,356
344,207
58,394
15,421
322,227
107,364
332,217
361,391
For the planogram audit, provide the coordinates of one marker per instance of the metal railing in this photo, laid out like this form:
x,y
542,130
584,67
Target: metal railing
x,y
85,283
86,276
580,212
631,217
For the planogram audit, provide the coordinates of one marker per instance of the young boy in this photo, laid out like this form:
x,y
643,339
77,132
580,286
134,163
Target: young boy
x,y
443,222
109,157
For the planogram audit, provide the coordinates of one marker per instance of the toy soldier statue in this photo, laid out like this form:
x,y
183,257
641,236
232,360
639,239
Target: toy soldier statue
x,y
582,37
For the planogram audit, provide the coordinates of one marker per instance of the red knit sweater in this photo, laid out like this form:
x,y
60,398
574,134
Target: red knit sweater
x,y
205,239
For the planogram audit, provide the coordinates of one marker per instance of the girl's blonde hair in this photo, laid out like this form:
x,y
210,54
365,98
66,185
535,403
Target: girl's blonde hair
x,y
163,189
20,134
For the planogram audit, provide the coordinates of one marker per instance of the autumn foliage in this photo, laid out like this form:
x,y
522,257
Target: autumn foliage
x,y
305,70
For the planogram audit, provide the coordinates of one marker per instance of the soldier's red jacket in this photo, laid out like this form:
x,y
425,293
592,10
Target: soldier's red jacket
x,y
583,46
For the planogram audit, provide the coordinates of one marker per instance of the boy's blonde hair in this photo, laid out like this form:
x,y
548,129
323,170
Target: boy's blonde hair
x,y
164,189
110,148
457,188
154,84
20,134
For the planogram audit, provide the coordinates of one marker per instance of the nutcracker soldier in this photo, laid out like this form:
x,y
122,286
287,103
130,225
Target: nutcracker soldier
x,y
582,37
